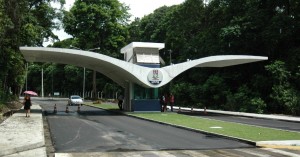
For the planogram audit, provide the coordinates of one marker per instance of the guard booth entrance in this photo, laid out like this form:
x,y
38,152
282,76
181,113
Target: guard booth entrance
x,y
137,97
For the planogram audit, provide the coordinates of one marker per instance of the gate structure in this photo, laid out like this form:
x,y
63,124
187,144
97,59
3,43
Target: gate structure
x,y
139,73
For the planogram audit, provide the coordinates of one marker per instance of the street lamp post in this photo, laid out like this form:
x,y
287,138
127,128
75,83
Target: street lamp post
x,y
170,51
26,75
52,92
83,86
94,94
42,83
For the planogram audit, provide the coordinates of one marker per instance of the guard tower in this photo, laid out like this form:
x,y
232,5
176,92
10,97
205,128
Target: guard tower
x,y
137,97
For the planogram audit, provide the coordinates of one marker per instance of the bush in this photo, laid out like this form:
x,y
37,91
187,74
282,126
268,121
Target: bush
x,y
292,102
258,105
284,96
243,101
239,101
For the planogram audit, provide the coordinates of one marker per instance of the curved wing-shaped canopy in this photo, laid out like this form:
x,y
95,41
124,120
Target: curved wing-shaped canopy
x,y
212,61
122,72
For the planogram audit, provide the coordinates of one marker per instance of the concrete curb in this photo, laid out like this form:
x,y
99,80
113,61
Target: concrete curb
x,y
199,131
283,143
18,150
38,152
295,144
183,127
291,144
19,134
243,114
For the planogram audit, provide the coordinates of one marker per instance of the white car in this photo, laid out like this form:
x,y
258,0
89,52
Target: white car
x,y
75,100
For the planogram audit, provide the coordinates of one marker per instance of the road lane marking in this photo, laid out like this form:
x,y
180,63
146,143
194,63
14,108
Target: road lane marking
x,y
194,153
255,153
282,152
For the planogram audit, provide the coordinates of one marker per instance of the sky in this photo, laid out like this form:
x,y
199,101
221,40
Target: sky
x,y
138,8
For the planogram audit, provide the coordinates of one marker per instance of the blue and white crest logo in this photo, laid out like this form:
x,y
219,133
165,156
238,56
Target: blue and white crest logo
x,y
155,76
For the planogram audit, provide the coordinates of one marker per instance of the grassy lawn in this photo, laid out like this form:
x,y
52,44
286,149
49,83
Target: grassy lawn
x,y
242,131
105,106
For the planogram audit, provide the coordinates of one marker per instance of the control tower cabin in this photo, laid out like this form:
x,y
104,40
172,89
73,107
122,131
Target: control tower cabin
x,y
138,98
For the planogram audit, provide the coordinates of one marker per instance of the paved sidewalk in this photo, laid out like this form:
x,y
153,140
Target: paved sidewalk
x,y
23,136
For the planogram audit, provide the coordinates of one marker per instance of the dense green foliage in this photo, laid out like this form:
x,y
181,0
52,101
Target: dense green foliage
x,y
68,80
22,22
266,28
97,24
190,30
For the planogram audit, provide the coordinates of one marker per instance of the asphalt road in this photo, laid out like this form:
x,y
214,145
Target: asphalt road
x,y
271,123
96,130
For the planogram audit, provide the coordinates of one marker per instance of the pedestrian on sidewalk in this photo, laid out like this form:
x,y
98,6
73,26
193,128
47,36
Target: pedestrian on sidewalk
x,y
27,104
171,101
162,102
120,102
166,102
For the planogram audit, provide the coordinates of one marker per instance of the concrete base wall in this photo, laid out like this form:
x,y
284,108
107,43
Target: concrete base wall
x,y
146,105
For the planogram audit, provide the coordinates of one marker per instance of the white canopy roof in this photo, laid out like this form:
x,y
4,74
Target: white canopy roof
x,y
121,71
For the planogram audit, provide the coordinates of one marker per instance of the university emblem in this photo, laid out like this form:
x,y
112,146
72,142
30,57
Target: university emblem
x,y
155,76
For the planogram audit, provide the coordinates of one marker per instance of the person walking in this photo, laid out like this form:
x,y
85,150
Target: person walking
x,y
171,101
120,102
162,102
27,104
166,102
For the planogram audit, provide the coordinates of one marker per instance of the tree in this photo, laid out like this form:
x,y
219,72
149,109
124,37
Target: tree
x,y
222,27
134,31
285,98
22,23
153,28
95,23
11,59
38,20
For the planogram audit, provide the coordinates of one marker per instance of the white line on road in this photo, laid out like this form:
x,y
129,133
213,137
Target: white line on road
x,y
247,151
282,152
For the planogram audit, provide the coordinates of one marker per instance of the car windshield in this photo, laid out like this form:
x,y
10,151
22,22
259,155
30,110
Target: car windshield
x,y
76,97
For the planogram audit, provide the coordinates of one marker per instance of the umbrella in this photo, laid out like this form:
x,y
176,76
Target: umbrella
x,y
31,93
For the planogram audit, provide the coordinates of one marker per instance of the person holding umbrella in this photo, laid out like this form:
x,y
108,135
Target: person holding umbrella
x,y
31,93
27,104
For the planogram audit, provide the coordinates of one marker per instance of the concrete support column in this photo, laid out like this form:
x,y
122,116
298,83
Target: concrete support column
x,y
42,83
128,96
131,95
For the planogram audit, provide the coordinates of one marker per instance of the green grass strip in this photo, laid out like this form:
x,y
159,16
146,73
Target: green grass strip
x,y
105,106
242,131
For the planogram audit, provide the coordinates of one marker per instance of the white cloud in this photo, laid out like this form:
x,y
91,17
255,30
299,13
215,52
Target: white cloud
x,y
69,4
